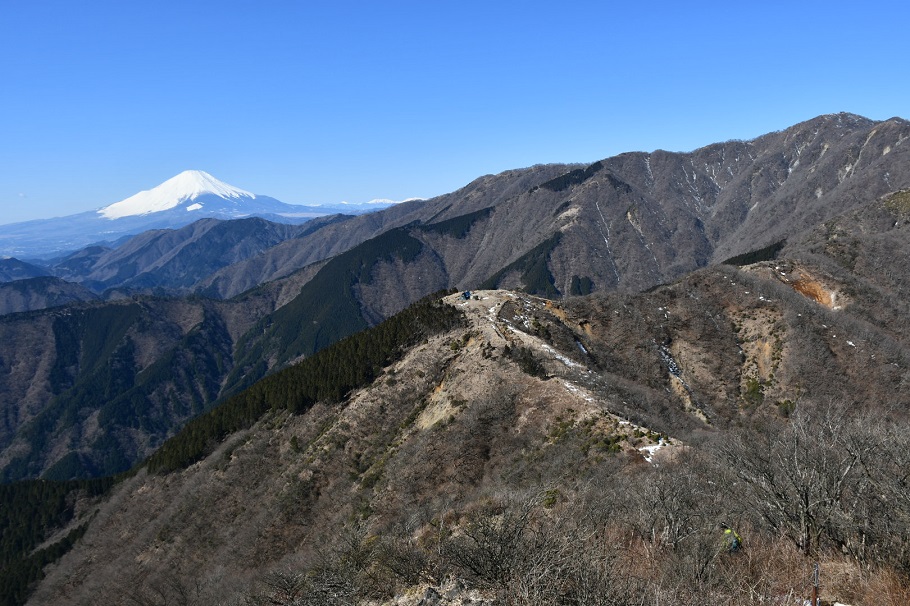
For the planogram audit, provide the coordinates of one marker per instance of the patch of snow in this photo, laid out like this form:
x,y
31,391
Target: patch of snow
x,y
650,450
196,206
575,390
378,202
843,173
672,365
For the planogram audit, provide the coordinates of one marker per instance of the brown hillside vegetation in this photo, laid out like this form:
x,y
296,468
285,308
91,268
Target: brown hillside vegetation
x,y
580,452
585,450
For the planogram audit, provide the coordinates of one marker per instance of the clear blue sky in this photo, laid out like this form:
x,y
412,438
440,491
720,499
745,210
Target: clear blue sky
x,y
317,102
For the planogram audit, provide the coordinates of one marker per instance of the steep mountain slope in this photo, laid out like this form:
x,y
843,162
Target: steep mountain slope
x,y
590,229
90,389
635,220
335,239
641,219
527,396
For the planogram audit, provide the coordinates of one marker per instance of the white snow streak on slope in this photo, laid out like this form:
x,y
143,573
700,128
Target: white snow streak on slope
x,y
605,236
560,357
188,185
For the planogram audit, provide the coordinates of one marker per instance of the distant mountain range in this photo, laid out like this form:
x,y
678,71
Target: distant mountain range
x,y
622,223
743,284
265,294
179,201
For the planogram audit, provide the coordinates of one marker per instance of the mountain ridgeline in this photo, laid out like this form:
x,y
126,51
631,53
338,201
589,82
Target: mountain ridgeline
x,y
626,223
728,290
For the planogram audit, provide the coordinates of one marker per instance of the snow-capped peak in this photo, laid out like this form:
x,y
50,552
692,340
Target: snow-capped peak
x,y
188,185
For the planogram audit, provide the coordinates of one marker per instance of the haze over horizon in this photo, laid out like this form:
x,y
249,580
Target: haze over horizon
x,y
354,101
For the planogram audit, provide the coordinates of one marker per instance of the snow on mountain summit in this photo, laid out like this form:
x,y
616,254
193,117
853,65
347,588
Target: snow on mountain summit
x,y
188,185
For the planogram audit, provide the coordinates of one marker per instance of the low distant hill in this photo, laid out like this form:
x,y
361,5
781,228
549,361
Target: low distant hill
x,y
14,269
40,293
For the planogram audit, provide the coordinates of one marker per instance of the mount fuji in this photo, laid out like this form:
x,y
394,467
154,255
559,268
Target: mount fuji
x,y
179,201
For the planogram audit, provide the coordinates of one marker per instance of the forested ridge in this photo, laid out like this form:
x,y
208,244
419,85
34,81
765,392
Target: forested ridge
x,y
30,511
328,375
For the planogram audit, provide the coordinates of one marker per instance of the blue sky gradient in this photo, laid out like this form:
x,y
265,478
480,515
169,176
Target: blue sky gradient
x,y
317,103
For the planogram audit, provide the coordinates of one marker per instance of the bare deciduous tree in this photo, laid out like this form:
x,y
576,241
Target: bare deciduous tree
x,y
800,477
